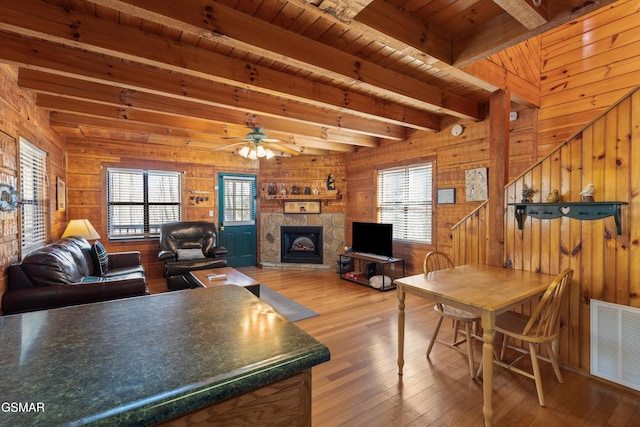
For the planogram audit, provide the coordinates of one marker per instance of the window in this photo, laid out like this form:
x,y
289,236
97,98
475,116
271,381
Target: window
x,y
405,200
239,200
140,201
33,192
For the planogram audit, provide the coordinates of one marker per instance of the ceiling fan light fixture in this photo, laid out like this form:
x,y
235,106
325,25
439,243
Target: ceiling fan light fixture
x,y
252,154
261,152
244,151
269,154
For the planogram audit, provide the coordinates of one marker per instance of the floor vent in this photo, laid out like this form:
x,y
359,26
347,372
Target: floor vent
x,y
615,343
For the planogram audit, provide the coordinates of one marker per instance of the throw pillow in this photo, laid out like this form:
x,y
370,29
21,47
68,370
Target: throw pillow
x,y
189,254
100,258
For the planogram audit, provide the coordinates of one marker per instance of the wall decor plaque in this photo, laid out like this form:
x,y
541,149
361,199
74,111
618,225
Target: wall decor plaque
x,y
302,207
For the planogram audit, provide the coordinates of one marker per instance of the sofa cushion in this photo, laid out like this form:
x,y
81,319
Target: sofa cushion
x,y
122,271
189,254
101,258
54,264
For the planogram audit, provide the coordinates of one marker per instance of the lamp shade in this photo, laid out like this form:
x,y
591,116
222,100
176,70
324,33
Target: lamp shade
x,y
82,228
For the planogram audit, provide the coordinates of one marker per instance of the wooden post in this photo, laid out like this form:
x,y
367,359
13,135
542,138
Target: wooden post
x,y
499,109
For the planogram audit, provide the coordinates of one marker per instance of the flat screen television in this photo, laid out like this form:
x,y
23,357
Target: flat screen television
x,y
372,238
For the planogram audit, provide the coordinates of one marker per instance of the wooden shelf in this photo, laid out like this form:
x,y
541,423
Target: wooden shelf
x,y
575,210
302,196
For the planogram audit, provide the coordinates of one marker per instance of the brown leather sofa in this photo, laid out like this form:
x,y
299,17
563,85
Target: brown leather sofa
x,y
68,272
186,246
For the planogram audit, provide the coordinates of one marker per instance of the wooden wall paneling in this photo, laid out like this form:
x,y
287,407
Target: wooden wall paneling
x,y
536,245
570,319
511,226
609,192
633,225
622,188
578,81
473,235
598,232
583,277
549,184
558,176
483,216
467,248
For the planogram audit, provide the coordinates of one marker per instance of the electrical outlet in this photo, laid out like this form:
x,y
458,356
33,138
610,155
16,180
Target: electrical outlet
x,y
210,213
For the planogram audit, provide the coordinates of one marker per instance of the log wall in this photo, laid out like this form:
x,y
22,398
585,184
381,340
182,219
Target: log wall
x,y
303,171
86,184
452,156
20,117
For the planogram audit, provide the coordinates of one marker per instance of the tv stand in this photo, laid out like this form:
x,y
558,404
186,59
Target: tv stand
x,y
374,271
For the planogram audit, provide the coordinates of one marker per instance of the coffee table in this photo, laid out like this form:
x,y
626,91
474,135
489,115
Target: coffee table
x,y
234,277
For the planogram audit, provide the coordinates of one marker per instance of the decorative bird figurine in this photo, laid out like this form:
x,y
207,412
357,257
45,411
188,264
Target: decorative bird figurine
x,y
587,193
553,197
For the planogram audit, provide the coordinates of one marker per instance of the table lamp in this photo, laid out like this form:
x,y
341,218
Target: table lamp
x,y
82,228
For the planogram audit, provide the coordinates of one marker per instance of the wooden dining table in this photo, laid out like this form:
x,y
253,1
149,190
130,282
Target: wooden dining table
x,y
481,289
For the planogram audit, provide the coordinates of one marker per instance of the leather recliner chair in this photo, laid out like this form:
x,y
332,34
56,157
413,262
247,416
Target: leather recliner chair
x,y
187,246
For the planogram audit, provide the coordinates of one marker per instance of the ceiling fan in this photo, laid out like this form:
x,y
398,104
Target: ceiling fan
x,y
256,144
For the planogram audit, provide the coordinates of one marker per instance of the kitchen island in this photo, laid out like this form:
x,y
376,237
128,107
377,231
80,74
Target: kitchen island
x,y
217,353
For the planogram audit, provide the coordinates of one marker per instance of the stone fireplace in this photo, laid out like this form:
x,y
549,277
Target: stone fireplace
x,y
301,244
331,231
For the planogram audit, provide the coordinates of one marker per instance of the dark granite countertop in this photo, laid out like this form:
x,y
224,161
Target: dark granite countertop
x,y
142,360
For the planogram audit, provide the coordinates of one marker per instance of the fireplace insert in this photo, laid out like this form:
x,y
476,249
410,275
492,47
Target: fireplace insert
x,y
301,244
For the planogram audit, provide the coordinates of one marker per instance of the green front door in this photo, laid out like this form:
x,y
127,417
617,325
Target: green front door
x,y
237,228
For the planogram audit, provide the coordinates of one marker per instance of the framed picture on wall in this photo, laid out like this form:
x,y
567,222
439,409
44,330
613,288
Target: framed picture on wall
x,y
446,196
476,184
302,207
61,194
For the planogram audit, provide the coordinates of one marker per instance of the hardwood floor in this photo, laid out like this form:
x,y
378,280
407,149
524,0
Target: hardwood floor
x,y
360,386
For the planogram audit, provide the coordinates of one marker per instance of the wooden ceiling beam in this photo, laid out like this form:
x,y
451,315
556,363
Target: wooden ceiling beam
x,y
383,22
229,27
504,31
98,75
525,12
80,121
36,19
65,110
69,122
343,9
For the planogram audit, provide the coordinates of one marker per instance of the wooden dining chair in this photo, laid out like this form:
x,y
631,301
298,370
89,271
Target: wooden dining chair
x,y
438,261
542,327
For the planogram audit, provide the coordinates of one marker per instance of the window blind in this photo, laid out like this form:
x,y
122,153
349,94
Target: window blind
x,y
239,200
405,200
140,201
33,192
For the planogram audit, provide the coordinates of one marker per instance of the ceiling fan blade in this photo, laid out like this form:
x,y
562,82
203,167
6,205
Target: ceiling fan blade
x,y
282,147
224,147
234,138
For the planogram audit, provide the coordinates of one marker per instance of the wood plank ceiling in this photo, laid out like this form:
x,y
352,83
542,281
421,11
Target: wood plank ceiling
x,y
322,76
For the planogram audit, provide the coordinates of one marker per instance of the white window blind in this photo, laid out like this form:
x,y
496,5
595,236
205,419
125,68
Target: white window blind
x,y
239,200
140,201
33,192
405,200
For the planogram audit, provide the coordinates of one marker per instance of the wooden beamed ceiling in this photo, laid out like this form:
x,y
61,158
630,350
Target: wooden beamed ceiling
x,y
321,76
